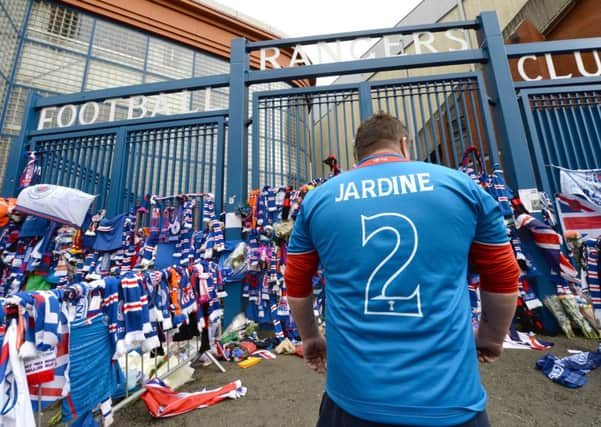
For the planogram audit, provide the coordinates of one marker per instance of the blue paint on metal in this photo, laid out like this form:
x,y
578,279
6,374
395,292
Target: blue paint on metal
x,y
134,124
564,126
556,46
219,207
518,166
10,18
86,66
369,65
365,103
237,147
119,160
146,89
563,83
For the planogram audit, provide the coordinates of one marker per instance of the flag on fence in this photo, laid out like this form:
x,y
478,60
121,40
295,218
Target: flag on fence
x,y
163,402
584,182
50,392
577,214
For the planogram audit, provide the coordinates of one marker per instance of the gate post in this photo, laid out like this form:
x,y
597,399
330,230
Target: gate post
x,y
508,120
237,147
16,160
119,162
365,103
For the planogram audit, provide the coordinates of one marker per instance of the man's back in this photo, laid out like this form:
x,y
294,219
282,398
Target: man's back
x,y
394,237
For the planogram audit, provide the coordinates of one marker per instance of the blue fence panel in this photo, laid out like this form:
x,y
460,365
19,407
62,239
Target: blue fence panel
x,y
294,130
175,158
82,160
444,115
564,129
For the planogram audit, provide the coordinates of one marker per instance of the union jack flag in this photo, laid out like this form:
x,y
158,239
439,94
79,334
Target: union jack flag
x,y
578,214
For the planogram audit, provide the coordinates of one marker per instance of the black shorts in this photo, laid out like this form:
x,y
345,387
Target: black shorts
x,y
331,415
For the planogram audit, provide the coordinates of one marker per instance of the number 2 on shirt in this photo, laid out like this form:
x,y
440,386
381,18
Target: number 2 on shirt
x,y
384,296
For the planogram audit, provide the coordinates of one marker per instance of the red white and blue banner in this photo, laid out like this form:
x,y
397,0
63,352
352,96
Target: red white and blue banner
x,y
577,214
583,182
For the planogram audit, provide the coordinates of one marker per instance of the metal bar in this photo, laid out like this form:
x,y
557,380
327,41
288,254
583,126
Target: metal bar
x,y
489,127
466,116
237,147
415,125
308,141
86,66
93,166
272,143
145,142
451,130
137,124
297,142
572,142
172,144
219,206
180,162
370,65
134,165
433,129
365,105
577,83
376,33
212,159
556,46
187,154
592,122
583,135
117,174
10,20
145,66
284,140
443,133
348,139
145,89
561,147
204,159
538,147
194,139
474,109
517,162
255,147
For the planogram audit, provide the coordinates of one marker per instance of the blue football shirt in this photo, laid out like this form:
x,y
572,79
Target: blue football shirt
x,y
394,239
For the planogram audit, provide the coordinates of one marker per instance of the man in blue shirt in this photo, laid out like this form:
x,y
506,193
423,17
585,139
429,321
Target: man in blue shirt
x,y
394,238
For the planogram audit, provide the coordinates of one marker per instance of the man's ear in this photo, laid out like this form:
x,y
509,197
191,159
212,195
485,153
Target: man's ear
x,y
405,147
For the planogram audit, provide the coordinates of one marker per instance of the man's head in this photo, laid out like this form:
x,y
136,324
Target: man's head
x,y
381,133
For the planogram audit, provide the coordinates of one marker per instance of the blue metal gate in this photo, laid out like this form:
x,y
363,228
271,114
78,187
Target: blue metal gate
x,y
122,164
123,160
564,129
444,114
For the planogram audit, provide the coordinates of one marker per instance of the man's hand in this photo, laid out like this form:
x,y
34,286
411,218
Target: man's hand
x,y
488,350
314,352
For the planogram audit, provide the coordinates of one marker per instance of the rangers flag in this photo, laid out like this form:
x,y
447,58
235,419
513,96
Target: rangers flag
x,y
578,214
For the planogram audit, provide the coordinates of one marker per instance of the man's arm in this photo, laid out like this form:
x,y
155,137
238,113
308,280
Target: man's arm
x,y
298,275
499,274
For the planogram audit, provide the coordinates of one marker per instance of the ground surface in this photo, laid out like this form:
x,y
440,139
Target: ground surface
x,y
283,393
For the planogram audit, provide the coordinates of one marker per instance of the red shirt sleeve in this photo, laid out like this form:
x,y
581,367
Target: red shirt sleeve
x,y
299,272
497,266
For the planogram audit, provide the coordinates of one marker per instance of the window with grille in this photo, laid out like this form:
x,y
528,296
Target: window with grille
x,y
64,22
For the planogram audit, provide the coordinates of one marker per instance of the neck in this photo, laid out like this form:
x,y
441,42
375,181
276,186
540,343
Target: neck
x,y
382,152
